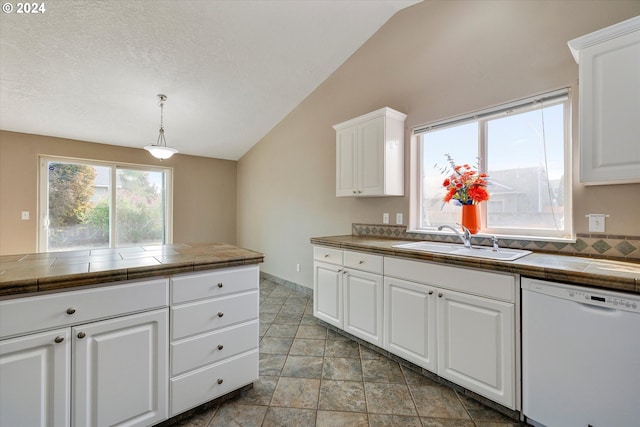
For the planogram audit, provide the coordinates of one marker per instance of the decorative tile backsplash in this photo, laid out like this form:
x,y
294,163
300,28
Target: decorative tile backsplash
x,y
593,245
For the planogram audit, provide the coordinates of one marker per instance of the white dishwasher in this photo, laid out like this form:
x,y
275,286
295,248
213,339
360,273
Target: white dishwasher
x,y
580,356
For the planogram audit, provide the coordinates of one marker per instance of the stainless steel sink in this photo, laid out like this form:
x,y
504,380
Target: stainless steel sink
x,y
502,254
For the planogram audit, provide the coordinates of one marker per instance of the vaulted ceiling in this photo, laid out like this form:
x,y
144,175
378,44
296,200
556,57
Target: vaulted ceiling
x,y
231,70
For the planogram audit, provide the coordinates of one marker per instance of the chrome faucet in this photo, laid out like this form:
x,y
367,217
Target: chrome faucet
x,y
494,240
465,236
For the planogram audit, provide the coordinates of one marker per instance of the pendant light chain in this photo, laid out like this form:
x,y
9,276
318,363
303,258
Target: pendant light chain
x,y
161,138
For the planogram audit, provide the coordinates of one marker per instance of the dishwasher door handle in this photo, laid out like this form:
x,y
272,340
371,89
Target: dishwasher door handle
x,y
598,309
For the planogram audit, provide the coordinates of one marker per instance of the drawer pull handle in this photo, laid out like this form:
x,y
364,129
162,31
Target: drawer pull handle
x,y
71,310
220,380
326,255
220,346
430,292
58,339
220,285
81,335
220,314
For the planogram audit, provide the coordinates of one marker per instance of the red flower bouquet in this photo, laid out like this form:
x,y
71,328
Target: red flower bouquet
x,y
464,185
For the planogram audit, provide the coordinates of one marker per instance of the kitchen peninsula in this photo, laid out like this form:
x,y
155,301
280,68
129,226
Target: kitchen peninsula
x,y
139,334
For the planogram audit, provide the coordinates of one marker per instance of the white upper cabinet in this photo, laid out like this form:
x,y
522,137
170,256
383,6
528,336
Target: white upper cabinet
x,y
609,62
370,155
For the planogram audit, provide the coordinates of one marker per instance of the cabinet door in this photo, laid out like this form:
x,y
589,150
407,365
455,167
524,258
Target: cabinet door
x,y
34,380
476,345
371,157
120,371
609,106
410,321
363,305
346,162
327,293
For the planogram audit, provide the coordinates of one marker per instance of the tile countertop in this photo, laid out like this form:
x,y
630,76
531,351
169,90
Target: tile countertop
x,y
52,271
583,271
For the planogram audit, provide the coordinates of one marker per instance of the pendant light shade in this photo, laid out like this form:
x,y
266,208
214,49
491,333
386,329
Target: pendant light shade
x,y
159,150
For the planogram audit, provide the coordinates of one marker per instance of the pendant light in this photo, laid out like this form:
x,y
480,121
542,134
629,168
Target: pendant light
x,y
160,149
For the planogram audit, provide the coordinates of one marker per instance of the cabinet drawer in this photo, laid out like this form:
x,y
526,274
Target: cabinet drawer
x,y
195,352
203,385
202,316
332,256
31,314
364,262
190,287
477,282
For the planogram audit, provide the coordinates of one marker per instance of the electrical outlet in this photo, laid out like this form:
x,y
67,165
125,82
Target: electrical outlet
x,y
385,218
25,215
298,268
399,218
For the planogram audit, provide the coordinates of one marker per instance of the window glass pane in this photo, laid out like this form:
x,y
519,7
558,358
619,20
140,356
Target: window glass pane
x,y
461,143
78,206
525,164
139,207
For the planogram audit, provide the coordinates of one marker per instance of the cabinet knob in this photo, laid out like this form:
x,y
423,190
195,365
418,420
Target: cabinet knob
x,y
220,346
339,270
439,294
361,262
355,192
58,339
220,380
81,335
344,272
326,255
220,314
430,292
71,310
220,285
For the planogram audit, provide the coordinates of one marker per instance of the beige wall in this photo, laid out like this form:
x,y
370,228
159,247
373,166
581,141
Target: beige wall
x,y
204,199
431,61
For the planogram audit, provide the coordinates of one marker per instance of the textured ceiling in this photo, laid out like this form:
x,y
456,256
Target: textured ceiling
x,y
232,70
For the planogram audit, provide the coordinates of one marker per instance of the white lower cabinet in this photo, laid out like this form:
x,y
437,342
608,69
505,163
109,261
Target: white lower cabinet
x,y
327,295
410,321
214,335
92,372
456,322
363,305
348,292
476,347
120,371
35,379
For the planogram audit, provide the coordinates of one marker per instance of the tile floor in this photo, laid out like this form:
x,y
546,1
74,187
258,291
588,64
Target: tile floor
x,y
312,376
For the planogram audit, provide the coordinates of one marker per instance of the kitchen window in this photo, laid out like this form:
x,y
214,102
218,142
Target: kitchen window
x,y
86,204
523,146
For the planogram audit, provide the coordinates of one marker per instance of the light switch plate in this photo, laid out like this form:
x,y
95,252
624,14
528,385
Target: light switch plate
x,y
25,215
398,218
596,223
385,218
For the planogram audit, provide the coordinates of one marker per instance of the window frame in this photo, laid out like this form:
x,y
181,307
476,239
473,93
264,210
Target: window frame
x,y
482,117
43,195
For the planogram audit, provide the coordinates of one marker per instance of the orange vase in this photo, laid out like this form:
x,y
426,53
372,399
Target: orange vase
x,y
471,218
